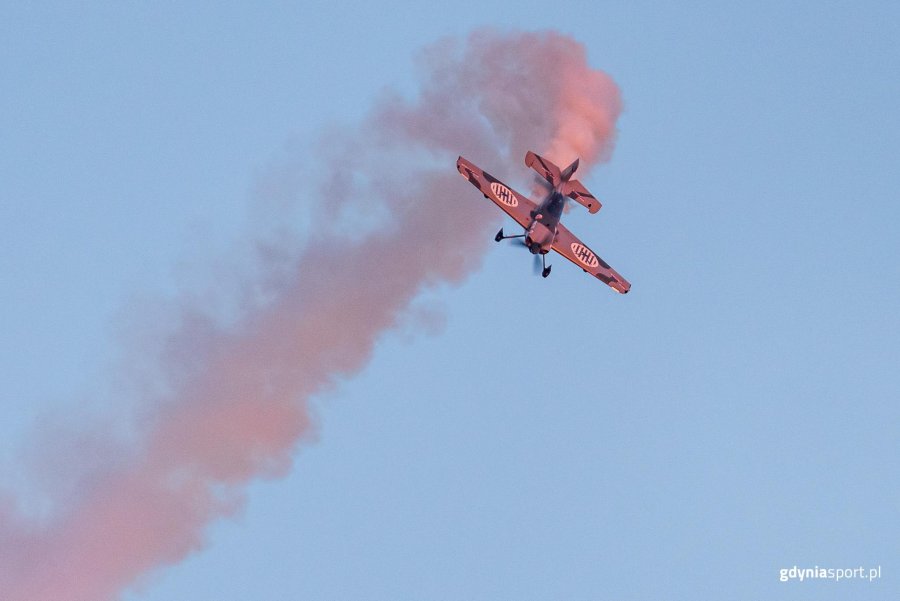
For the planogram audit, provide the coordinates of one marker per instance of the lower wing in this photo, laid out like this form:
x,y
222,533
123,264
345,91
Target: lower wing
x,y
513,204
574,250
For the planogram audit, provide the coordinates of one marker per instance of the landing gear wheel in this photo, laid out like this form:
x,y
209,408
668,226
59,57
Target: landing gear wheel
x,y
546,271
499,236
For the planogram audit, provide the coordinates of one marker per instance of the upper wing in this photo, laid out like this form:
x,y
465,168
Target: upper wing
x,y
514,204
572,248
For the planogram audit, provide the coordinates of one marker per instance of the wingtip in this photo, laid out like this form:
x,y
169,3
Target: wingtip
x,y
462,165
620,286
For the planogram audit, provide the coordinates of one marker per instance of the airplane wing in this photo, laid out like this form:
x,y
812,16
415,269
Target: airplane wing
x,y
574,250
513,204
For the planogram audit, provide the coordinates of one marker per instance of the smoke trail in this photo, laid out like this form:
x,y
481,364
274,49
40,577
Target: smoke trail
x,y
232,405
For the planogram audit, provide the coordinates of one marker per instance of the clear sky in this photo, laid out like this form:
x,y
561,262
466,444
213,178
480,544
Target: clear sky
x,y
735,414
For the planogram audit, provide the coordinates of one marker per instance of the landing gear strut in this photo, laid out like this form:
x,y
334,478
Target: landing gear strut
x,y
500,236
547,268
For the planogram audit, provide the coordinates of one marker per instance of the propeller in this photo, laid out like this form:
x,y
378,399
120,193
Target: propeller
x,y
537,264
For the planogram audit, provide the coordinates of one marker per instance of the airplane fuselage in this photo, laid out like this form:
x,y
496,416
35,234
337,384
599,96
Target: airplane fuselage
x,y
541,232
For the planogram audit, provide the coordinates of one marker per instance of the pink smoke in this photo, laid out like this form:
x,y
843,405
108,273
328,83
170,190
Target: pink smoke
x,y
233,403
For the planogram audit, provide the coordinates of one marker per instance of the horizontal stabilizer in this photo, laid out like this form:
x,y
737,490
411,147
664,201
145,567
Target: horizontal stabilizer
x,y
574,190
545,168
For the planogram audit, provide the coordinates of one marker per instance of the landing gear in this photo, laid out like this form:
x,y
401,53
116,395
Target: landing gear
x,y
534,249
500,236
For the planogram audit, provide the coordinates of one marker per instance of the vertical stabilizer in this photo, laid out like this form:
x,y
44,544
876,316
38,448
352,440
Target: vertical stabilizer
x,y
569,171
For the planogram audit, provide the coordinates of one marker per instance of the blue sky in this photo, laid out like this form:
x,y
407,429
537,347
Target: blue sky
x,y
736,413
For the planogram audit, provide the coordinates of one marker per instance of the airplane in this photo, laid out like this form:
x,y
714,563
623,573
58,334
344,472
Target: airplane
x,y
543,231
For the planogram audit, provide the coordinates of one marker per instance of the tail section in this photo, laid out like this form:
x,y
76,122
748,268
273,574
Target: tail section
x,y
574,190
570,187
568,171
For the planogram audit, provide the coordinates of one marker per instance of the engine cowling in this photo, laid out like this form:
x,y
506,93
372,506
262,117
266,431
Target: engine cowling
x,y
538,238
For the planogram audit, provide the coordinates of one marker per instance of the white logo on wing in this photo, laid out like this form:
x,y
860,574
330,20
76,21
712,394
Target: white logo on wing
x,y
584,254
504,194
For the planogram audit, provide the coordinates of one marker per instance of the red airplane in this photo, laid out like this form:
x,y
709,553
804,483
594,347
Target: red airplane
x,y
543,231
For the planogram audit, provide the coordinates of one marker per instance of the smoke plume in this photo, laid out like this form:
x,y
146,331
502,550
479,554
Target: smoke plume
x,y
229,403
